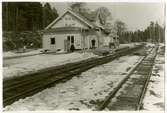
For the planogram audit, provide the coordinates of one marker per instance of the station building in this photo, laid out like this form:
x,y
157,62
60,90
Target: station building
x,y
73,30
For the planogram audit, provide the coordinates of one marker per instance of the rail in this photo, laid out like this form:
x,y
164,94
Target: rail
x,y
21,87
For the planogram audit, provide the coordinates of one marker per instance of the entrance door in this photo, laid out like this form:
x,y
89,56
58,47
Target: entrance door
x,y
70,39
93,43
70,42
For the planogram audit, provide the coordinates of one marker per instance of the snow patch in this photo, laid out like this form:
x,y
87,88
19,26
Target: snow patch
x,y
22,66
13,54
82,92
154,99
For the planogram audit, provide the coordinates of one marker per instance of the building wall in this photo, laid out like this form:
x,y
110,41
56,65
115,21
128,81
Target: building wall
x,y
89,36
103,37
60,39
46,41
81,40
98,36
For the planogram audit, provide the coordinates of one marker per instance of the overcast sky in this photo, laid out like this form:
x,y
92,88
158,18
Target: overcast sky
x,y
135,15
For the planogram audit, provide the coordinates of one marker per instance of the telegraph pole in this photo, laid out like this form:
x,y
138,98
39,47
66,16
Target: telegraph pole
x,y
150,33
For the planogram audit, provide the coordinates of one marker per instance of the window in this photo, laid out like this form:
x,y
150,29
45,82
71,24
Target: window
x,y
73,24
52,40
68,38
68,18
68,24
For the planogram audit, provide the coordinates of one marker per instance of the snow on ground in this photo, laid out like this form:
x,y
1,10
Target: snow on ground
x,y
162,44
14,54
129,44
82,92
154,99
32,52
25,65
148,44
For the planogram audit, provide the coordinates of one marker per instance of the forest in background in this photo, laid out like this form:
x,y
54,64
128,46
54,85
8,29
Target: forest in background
x,y
153,33
23,22
26,16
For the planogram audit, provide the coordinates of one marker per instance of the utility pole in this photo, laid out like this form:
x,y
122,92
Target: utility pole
x,y
16,24
43,17
7,15
150,33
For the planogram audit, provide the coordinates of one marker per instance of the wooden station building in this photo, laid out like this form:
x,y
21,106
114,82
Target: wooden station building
x,y
71,29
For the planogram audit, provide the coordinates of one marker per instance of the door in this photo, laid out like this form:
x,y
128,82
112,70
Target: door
x,y
93,43
70,39
70,42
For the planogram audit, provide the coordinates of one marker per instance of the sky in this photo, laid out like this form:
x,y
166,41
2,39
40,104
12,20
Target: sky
x,y
134,15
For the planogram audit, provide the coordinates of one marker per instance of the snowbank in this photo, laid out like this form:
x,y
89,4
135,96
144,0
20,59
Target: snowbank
x,y
82,92
13,54
129,45
150,44
25,65
162,44
154,99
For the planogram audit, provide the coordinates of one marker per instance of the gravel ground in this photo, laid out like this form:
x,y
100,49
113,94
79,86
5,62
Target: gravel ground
x,y
82,92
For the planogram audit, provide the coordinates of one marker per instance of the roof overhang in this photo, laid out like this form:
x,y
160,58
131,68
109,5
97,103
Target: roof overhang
x,y
64,29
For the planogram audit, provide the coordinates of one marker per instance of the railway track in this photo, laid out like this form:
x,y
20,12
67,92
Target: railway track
x,y
21,87
129,93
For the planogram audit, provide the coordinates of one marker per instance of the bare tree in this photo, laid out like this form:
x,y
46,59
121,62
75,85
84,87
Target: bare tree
x,y
78,6
120,27
102,14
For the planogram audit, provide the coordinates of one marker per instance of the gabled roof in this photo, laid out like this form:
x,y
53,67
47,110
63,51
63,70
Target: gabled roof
x,y
81,18
78,16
